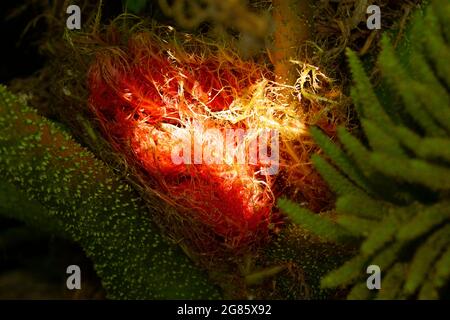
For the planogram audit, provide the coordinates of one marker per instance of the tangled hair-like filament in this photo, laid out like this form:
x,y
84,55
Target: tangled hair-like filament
x,y
157,85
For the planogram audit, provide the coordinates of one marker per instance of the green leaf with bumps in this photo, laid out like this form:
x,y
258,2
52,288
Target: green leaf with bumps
x,y
86,202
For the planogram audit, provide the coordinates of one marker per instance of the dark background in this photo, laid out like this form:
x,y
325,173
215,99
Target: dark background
x,y
19,56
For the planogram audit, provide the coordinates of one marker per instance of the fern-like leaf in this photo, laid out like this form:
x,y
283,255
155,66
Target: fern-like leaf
x,y
400,214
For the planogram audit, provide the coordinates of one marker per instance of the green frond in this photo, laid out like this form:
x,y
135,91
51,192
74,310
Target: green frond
x,y
428,292
383,233
393,196
381,140
414,171
356,225
388,256
364,93
426,148
346,274
339,157
392,283
361,206
436,46
442,10
359,292
424,221
430,91
442,271
424,258
308,253
311,221
337,181
399,79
